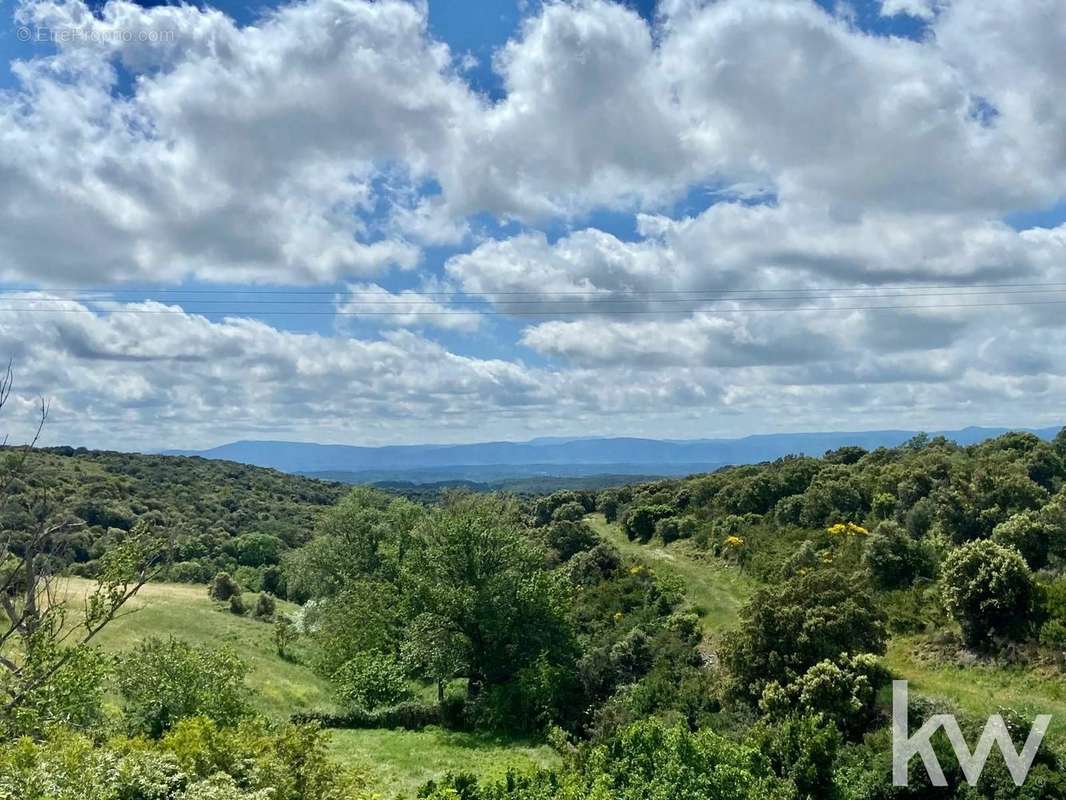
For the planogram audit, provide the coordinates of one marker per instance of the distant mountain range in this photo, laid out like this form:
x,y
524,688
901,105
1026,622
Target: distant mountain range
x,y
487,461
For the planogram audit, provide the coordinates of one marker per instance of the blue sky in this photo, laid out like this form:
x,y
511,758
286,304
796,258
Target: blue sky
x,y
689,219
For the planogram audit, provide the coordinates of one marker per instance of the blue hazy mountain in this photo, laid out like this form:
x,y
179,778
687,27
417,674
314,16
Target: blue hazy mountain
x,y
560,455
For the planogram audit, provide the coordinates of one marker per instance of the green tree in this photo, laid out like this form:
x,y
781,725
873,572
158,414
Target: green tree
x,y
1033,534
165,680
481,583
988,589
894,559
370,681
785,630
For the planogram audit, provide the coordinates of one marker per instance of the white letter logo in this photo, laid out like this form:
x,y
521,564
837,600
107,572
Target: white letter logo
x,y
905,747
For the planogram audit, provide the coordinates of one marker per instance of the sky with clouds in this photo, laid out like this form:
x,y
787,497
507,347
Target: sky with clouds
x,y
394,221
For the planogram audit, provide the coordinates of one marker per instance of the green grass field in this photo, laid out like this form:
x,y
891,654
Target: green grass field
x,y
184,611
983,690
400,761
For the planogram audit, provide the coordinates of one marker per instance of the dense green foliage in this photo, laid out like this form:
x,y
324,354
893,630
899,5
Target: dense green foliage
x,y
486,613
217,515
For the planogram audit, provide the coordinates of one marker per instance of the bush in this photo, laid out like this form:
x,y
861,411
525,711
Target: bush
x,y
843,691
163,681
645,760
1031,533
412,716
787,629
571,538
894,559
569,512
237,606
988,589
222,587
371,681
801,748
265,606
285,635
639,522
258,549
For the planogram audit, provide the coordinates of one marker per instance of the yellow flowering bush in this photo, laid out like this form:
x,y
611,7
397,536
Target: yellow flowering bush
x,y
847,529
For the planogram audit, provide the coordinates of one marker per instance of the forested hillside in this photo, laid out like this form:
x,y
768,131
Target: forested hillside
x,y
215,515
729,636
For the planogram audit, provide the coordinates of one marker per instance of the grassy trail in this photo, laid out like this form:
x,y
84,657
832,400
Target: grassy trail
x,y
716,589
721,590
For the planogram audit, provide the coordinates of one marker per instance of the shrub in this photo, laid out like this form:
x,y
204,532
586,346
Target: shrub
x,y
237,606
988,589
569,512
789,628
411,715
265,606
571,538
1031,533
645,760
285,635
844,691
163,681
222,587
258,549
894,559
801,748
371,681
639,522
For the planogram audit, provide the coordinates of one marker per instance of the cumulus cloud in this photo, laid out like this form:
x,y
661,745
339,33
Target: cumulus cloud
x,y
407,308
335,141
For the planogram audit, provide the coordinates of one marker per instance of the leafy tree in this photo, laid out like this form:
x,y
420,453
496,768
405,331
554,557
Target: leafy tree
x,y
1033,534
481,584
844,691
285,635
988,589
366,536
894,559
367,615
165,680
787,629
801,748
370,681
570,538
638,522
569,512
258,549
223,587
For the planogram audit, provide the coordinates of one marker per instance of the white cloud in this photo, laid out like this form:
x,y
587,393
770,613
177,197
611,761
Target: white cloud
x,y
920,9
368,301
335,140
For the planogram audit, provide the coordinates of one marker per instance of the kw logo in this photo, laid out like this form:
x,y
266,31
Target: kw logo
x,y
905,747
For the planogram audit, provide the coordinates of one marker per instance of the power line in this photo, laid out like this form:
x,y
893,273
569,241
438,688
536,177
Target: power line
x,y
568,312
332,293
718,297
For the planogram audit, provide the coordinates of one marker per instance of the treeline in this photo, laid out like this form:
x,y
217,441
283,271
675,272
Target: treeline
x,y
216,515
922,524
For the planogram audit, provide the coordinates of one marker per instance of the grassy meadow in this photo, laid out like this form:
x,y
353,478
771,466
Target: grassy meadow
x,y
398,761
